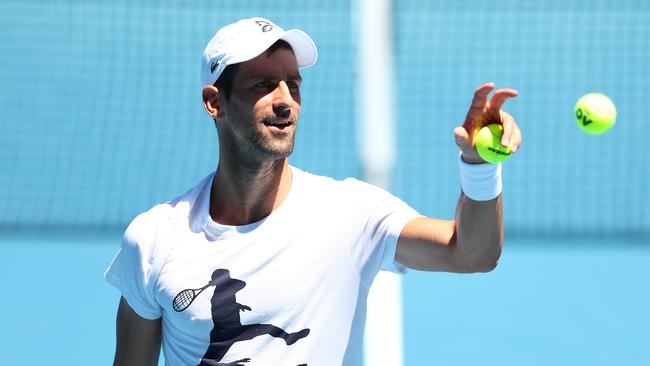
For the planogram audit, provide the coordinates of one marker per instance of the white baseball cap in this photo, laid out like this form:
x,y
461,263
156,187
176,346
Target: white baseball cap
x,y
247,39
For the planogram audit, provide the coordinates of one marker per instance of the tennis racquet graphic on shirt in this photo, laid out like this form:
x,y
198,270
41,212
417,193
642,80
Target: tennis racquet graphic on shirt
x,y
185,298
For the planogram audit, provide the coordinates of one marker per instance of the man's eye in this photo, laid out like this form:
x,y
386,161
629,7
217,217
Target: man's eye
x,y
293,85
262,85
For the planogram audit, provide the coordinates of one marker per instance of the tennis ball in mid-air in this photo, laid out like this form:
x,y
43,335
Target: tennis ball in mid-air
x,y
595,113
488,144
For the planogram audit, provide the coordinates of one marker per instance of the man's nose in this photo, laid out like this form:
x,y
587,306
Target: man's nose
x,y
282,100
282,111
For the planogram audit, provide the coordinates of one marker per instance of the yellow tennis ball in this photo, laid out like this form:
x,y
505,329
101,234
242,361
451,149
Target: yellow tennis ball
x,y
595,113
487,142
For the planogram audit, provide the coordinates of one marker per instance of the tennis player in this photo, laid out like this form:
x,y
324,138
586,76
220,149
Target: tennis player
x,y
262,263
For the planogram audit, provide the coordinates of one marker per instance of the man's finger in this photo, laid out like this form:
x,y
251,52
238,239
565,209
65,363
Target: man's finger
x,y
478,104
499,98
508,124
462,138
515,141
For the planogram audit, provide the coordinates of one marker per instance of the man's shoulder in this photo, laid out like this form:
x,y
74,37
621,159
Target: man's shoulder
x,y
345,187
148,223
323,182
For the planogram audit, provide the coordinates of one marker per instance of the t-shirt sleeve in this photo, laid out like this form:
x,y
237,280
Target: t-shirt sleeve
x,y
133,270
388,219
385,217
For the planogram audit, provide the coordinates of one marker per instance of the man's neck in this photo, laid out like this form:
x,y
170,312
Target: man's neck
x,y
243,195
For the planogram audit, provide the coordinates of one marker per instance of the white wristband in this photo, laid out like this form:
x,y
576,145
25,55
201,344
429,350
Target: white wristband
x,y
480,182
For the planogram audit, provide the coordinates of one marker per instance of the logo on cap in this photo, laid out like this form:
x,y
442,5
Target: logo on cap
x,y
266,26
214,66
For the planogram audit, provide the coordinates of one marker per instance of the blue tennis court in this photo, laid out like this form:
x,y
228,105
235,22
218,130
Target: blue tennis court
x,y
546,303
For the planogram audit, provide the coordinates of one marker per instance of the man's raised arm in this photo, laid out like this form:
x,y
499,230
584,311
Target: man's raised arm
x,y
473,241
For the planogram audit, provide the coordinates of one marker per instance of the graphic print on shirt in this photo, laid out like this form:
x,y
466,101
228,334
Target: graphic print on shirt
x,y
228,329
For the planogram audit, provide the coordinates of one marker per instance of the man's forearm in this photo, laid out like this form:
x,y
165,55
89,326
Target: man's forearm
x,y
479,234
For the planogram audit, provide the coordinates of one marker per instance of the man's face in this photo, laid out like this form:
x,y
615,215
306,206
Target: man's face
x,y
261,115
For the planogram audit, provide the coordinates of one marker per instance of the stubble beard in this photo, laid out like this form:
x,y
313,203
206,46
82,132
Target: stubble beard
x,y
273,148
264,146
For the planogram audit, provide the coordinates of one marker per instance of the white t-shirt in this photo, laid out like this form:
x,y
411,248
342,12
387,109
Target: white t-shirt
x,y
290,289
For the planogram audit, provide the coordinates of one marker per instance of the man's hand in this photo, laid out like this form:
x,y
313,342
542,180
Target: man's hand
x,y
472,242
483,112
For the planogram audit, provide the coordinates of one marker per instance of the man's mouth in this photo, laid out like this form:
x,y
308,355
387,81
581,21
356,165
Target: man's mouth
x,y
279,124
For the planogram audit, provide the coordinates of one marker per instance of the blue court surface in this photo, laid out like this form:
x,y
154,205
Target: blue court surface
x,y
547,303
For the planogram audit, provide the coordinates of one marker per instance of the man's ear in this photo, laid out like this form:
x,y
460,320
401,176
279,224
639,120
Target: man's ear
x,y
212,101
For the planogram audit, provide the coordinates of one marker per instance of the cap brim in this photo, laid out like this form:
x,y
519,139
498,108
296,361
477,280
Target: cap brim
x,y
303,47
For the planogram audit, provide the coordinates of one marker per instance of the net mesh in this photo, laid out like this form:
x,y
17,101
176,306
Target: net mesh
x,y
100,104
563,181
101,113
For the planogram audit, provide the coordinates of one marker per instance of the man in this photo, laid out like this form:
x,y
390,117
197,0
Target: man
x,y
264,264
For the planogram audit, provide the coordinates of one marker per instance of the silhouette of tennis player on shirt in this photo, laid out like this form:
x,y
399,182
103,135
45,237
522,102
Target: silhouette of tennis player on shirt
x,y
228,328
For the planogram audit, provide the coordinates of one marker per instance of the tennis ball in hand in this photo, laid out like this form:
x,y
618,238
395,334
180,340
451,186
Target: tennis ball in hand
x,y
487,142
595,113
